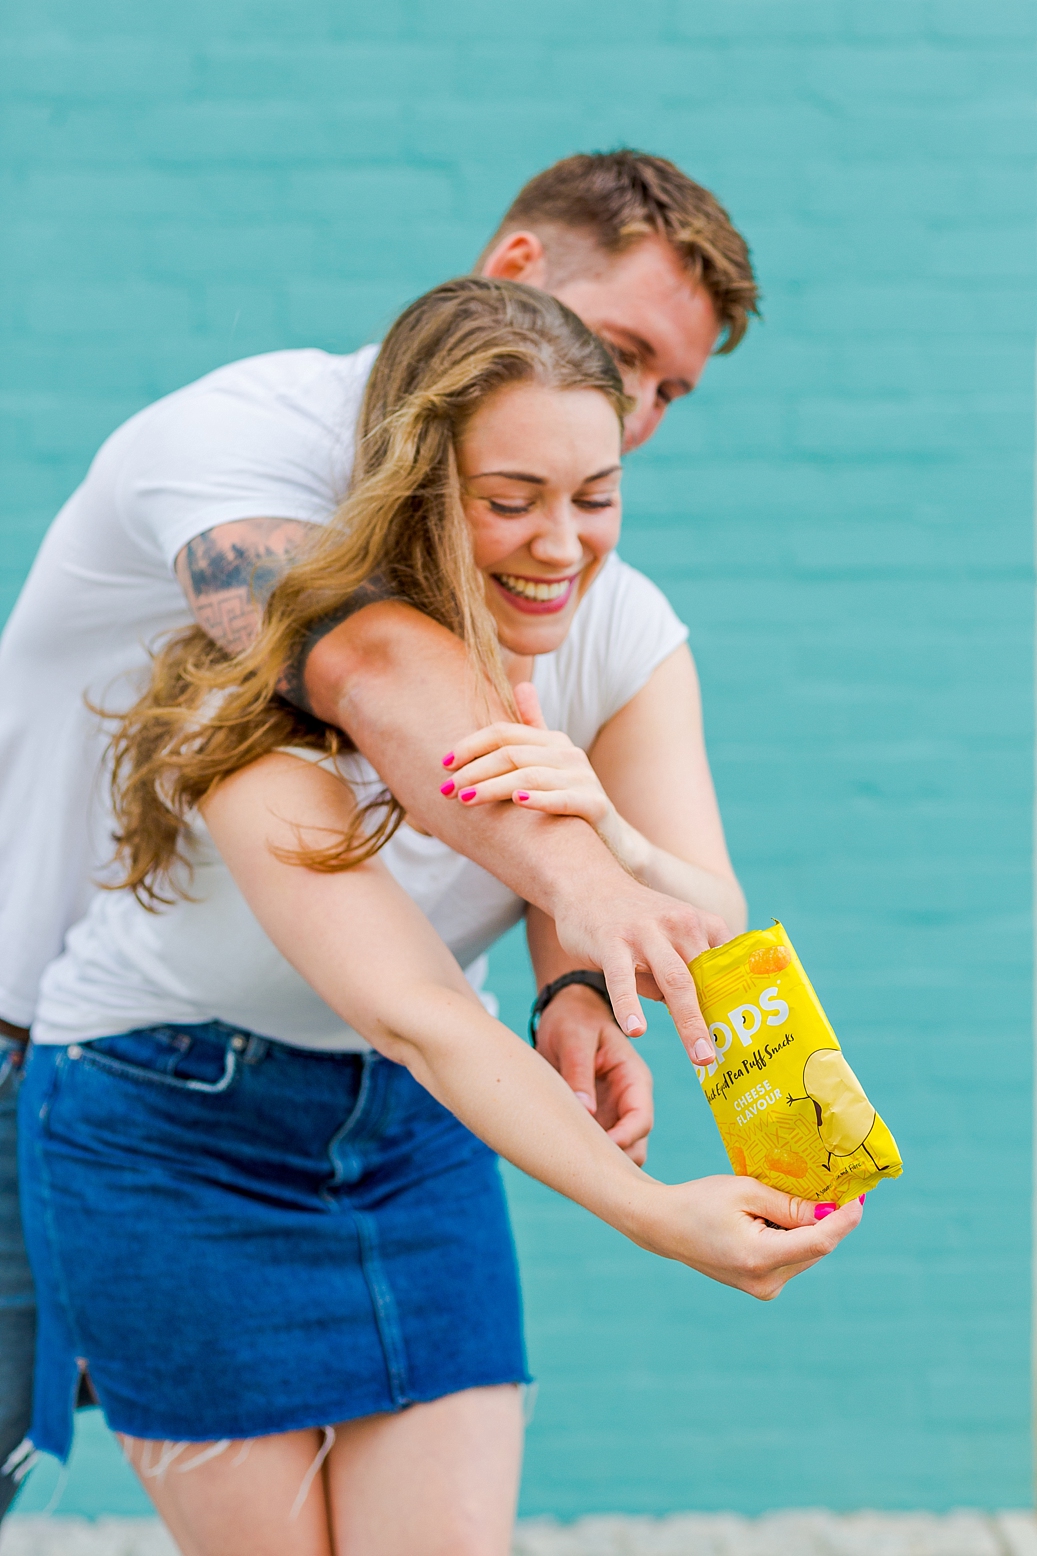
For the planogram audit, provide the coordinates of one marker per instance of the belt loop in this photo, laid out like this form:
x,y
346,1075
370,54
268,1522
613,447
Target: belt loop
x,y
256,1049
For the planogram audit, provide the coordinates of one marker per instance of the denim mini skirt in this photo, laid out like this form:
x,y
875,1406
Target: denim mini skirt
x,y
233,1237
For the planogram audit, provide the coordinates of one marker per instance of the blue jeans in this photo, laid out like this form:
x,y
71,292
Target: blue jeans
x,y
17,1306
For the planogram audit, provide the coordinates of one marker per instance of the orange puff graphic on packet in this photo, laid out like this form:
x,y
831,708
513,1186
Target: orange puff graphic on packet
x,y
789,1109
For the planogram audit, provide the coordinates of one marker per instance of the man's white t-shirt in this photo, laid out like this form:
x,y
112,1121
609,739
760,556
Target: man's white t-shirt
x,y
270,437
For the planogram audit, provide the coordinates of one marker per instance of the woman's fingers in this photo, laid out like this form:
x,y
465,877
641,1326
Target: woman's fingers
x,y
493,736
750,1236
537,788
559,802
528,704
802,1241
512,759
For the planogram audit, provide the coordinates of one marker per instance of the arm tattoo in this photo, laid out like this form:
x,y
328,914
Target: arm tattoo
x,y
227,574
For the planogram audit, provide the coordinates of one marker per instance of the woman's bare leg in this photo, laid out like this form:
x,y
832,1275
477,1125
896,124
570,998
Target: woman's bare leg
x,y
440,1479
245,1499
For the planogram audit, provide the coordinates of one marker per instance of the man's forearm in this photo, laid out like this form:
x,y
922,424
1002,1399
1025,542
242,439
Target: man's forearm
x,y
402,688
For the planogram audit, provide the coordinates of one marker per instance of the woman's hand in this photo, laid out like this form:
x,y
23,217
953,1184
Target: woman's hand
x,y
719,1226
370,954
538,769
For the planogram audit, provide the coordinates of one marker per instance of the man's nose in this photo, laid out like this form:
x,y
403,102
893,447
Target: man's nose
x,y
641,423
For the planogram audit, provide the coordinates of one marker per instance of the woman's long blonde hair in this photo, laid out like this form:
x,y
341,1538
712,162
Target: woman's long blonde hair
x,y
206,714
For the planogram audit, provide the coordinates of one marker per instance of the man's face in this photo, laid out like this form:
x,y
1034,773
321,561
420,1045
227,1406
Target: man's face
x,y
660,324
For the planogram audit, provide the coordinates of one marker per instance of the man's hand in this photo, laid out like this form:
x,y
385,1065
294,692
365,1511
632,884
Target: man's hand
x,y
578,1036
402,687
642,942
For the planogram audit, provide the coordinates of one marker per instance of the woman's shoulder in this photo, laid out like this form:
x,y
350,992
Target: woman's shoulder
x,y
623,617
625,627
621,589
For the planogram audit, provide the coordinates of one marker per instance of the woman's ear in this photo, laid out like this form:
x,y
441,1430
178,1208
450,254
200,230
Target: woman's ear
x,y
528,704
518,257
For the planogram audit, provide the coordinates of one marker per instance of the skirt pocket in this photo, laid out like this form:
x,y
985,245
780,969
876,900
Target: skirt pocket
x,y
177,1057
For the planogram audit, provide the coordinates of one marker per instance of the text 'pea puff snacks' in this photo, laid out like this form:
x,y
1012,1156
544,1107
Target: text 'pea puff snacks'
x,y
789,1109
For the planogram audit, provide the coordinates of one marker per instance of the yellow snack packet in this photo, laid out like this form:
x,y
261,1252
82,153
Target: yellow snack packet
x,y
789,1109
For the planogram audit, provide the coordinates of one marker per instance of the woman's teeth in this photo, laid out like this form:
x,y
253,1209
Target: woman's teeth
x,y
533,591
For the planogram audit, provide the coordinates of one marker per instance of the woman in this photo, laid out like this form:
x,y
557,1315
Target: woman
x,y
262,1100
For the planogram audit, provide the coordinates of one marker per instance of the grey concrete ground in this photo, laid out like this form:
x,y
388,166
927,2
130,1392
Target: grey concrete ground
x,y
691,1534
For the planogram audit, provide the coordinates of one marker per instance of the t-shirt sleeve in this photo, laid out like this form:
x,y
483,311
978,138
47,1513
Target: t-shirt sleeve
x,y
623,631
230,448
643,630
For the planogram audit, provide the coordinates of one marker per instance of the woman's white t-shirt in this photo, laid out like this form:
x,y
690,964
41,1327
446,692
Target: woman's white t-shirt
x,y
209,959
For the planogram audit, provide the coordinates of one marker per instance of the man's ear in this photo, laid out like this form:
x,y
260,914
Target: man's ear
x,y
518,257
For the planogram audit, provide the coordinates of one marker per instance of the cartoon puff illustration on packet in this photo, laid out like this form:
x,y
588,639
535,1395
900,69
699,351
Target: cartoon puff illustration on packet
x,y
789,1109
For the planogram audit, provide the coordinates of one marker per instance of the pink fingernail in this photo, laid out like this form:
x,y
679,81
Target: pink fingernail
x,y
448,759
447,788
587,1100
467,794
520,794
820,1211
862,1199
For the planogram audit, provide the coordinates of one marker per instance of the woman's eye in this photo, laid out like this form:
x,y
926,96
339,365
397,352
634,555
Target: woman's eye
x,y
509,509
595,504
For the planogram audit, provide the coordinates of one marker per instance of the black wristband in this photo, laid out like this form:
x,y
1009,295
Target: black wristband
x,y
373,592
592,980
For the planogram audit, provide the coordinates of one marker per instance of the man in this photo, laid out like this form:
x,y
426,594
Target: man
x,y
192,501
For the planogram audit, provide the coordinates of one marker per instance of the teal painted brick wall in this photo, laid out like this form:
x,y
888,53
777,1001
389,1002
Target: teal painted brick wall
x,y
843,516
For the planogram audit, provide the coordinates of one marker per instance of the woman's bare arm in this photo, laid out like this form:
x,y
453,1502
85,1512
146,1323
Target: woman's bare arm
x,y
371,955
651,759
646,786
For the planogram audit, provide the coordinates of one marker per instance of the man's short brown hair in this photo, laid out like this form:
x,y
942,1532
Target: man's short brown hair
x,y
620,197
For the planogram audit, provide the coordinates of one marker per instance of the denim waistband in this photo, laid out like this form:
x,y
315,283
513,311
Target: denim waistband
x,y
239,1047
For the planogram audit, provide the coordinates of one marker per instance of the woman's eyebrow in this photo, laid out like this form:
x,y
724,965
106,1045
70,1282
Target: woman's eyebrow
x,y
539,480
511,475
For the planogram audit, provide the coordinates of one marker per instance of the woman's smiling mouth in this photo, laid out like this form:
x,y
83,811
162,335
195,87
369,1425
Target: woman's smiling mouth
x,y
535,596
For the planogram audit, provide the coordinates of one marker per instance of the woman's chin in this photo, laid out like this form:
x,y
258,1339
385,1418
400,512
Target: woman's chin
x,y
540,636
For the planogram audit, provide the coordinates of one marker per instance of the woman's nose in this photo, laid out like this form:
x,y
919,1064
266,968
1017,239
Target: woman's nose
x,y
558,543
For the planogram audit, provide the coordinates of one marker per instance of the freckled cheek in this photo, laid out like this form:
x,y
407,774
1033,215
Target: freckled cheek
x,y
602,538
491,548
